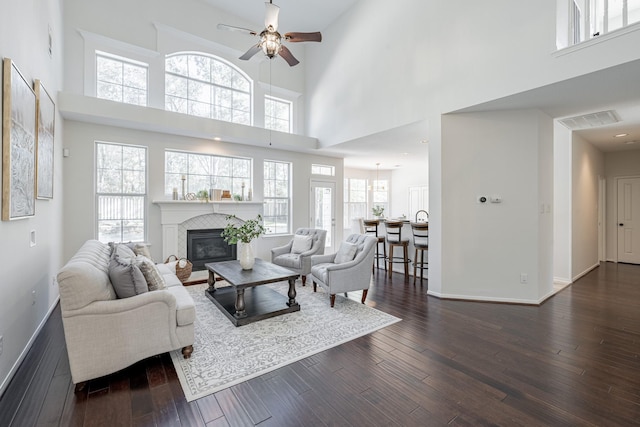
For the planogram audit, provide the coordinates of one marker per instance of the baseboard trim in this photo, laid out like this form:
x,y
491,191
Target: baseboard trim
x,y
472,298
16,365
587,271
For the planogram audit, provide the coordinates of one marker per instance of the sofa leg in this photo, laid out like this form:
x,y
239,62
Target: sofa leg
x,y
364,294
186,351
80,387
315,286
333,299
304,279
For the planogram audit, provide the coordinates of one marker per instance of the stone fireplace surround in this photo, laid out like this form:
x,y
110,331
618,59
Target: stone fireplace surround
x,y
178,216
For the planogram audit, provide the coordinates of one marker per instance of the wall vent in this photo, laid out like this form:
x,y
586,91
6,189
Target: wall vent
x,y
592,120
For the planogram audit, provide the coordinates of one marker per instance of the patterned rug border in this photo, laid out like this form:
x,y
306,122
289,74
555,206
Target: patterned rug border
x,y
197,291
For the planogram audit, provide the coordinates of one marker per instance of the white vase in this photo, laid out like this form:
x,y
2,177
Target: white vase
x,y
246,256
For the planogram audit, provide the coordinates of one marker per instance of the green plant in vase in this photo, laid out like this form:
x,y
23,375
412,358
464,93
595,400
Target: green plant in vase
x,y
242,235
377,211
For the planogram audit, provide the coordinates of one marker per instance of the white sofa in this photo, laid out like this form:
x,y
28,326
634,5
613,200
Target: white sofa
x,y
105,334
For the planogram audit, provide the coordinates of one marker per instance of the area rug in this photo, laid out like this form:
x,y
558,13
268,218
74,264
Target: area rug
x,y
225,355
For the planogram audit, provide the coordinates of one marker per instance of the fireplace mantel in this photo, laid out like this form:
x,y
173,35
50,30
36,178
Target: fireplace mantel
x,y
175,212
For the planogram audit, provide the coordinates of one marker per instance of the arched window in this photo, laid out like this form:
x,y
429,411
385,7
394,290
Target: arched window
x,y
206,86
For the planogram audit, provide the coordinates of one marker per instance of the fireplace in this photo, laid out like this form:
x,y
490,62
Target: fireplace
x,y
204,246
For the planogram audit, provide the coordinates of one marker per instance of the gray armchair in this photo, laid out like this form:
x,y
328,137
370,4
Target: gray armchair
x,y
347,270
296,255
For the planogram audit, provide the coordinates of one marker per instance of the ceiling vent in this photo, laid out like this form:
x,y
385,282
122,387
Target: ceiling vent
x,y
592,120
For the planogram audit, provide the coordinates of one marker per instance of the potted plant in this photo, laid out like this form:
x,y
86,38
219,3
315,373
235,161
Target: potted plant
x,y
242,235
377,211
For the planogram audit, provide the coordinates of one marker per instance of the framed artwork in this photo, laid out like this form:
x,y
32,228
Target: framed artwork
x,y
18,145
46,113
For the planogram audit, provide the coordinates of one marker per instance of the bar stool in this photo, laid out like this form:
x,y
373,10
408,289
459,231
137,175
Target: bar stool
x,y
420,232
371,228
395,238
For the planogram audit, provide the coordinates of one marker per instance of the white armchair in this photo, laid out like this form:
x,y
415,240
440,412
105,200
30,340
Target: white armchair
x,y
296,255
347,270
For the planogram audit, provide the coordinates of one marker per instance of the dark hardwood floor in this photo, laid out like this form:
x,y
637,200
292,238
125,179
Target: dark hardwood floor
x,y
573,361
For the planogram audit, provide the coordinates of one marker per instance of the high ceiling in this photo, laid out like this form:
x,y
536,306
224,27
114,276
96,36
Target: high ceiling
x,y
295,15
614,89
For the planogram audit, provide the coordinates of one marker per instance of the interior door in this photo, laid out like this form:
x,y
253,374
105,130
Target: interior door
x,y
629,220
323,210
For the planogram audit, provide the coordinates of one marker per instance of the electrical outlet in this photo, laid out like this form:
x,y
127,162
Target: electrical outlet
x,y
54,282
34,295
524,278
1,347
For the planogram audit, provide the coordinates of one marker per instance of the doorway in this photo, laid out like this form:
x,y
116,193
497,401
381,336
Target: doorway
x,y
628,224
323,210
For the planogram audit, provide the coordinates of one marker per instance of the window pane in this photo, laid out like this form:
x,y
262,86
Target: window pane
x,y
118,79
177,64
200,67
633,11
615,15
120,192
276,197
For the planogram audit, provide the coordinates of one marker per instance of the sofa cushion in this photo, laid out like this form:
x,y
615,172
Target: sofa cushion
x,y
168,272
301,243
288,260
346,252
126,277
154,279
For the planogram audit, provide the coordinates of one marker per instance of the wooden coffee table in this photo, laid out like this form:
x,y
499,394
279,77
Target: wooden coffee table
x,y
258,302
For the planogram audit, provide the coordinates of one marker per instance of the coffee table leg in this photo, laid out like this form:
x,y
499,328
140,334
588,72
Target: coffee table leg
x,y
292,293
240,311
211,281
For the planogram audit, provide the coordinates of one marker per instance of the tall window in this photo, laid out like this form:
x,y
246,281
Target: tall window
x,y
207,86
277,114
592,18
355,199
121,191
277,199
120,79
206,171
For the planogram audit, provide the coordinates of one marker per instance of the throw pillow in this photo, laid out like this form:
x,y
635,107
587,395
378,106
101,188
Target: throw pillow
x,y
154,279
142,249
301,243
346,253
121,250
126,277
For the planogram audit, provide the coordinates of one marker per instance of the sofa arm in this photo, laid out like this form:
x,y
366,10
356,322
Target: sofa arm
x,y
322,259
280,250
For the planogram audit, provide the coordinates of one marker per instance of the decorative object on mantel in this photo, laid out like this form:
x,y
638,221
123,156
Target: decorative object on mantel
x,y
242,196
377,211
215,194
203,196
227,355
249,195
226,194
183,180
175,193
242,235
190,196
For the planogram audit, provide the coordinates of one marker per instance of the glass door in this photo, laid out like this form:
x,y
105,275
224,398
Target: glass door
x,y
323,210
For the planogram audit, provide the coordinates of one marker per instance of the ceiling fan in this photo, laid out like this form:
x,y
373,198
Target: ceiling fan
x,y
271,40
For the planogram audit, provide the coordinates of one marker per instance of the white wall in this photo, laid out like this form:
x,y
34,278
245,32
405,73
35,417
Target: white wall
x,y
80,188
441,60
617,165
588,166
24,33
486,247
563,169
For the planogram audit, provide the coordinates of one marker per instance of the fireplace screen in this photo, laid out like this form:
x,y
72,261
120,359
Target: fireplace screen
x,y
204,246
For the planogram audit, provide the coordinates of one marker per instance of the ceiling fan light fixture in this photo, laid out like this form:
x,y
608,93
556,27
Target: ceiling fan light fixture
x,y
270,43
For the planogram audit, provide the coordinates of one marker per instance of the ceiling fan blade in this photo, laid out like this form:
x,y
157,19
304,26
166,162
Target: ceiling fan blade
x,y
303,37
271,17
238,29
252,51
288,56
